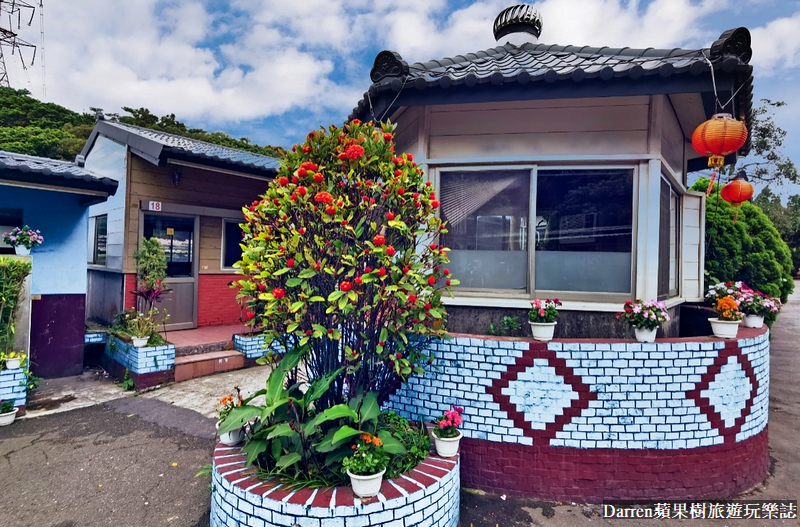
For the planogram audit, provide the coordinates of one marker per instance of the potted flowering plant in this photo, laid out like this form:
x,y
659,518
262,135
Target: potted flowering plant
x,y
645,316
12,360
141,327
542,318
726,325
7,412
446,434
226,405
756,305
366,466
23,240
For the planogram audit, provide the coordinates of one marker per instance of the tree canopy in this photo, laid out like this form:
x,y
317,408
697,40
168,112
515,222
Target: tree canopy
x,y
29,126
785,219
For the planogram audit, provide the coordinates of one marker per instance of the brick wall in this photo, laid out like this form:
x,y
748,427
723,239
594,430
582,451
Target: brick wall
x,y
566,409
12,388
130,287
216,301
141,360
254,346
428,495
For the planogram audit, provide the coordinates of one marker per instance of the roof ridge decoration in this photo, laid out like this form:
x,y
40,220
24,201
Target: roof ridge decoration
x,y
522,18
388,64
734,42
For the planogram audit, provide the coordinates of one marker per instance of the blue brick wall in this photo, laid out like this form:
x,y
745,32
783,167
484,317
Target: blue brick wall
x,y
255,346
94,338
12,386
141,360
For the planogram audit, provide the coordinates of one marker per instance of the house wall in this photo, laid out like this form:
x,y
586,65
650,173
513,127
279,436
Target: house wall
x,y
58,278
110,159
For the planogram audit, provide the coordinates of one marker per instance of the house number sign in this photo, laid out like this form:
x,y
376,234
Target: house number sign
x,y
154,205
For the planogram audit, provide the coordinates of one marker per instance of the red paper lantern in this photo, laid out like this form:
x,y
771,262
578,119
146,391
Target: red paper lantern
x,y
737,192
718,137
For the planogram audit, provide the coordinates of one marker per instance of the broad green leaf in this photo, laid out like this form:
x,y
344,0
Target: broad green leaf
x,y
281,271
254,448
288,460
320,386
238,417
390,444
352,295
283,429
275,383
435,313
369,408
296,306
337,456
293,326
316,298
335,295
343,302
276,449
307,273
266,413
294,282
339,411
384,335
454,281
344,433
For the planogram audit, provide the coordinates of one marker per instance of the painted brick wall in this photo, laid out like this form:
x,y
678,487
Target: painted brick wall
x,y
585,400
216,301
130,287
12,387
141,360
426,496
254,346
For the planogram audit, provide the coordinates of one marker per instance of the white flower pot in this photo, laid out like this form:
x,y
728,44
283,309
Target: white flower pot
x,y
234,437
753,321
140,342
543,330
447,446
724,329
12,364
366,486
645,335
21,250
8,417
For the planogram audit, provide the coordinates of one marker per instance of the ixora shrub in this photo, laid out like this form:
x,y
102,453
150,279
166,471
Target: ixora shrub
x,y
13,272
750,250
341,260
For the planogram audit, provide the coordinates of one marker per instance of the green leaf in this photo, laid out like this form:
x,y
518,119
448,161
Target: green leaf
x,y
293,326
336,295
307,273
390,444
343,433
281,271
352,295
339,411
337,456
343,302
435,313
369,408
283,429
320,386
384,335
238,417
288,460
276,449
316,298
267,412
453,281
296,306
294,282
253,448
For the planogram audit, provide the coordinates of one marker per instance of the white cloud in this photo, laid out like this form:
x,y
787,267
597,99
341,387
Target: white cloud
x,y
777,45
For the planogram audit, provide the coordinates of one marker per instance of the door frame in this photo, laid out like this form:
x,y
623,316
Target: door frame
x,y
195,262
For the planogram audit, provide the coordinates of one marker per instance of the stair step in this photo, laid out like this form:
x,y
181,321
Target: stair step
x,y
199,365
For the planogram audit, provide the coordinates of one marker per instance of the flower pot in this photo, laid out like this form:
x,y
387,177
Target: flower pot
x,y
543,330
8,417
12,364
234,437
724,329
366,486
645,335
140,342
447,446
21,250
753,321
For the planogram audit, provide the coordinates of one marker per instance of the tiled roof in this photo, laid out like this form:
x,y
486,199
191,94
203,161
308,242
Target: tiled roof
x,y
510,65
175,144
59,173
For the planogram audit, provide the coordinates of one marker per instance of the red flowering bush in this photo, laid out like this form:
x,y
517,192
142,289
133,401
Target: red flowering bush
x,y
341,259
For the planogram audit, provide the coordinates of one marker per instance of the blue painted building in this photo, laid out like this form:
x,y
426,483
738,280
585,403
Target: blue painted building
x,y
53,197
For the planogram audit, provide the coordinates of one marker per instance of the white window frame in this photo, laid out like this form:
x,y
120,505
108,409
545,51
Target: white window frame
x,y
516,298
92,256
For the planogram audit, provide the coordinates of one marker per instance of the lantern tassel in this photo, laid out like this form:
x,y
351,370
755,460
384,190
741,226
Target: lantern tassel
x,y
711,183
735,215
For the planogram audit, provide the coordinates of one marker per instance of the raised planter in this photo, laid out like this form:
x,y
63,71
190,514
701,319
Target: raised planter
x,y
147,366
254,346
428,495
12,388
619,414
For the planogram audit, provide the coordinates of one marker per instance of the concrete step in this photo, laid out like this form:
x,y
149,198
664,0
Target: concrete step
x,y
191,366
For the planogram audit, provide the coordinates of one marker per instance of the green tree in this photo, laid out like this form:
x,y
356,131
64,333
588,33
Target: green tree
x,y
750,250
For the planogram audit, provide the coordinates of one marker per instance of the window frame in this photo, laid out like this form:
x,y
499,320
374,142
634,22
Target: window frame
x,y
222,244
7,249
665,258
531,292
93,225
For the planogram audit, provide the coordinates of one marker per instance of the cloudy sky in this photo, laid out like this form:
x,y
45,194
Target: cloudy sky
x,y
274,69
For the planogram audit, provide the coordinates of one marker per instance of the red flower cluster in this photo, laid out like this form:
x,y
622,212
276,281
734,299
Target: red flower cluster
x,y
278,293
354,151
345,286
323,197
379,240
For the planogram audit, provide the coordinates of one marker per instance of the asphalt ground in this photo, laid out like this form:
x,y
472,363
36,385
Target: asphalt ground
x,y
132,461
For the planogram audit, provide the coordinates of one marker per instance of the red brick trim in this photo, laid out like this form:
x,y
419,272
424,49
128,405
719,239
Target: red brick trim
x,y
594,475
731,349
538,350
140,381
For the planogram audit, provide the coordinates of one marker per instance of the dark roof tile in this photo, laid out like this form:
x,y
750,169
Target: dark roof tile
x,y
62,173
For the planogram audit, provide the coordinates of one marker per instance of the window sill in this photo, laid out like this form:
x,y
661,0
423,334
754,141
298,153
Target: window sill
x,y
569,305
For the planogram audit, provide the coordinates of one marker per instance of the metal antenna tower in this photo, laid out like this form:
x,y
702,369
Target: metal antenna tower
x,y
9,39
41,31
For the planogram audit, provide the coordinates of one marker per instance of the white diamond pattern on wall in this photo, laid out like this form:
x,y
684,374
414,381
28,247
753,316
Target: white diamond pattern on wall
x,y
540,394
729,392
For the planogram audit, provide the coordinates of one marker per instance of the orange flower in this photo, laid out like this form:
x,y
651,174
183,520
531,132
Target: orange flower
x,y
377,442
365,437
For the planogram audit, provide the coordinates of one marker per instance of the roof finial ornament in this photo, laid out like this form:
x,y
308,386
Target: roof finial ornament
x,y
522,18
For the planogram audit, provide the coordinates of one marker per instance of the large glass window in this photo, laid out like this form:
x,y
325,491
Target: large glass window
x,y
231,238
584,230
668,242
487,213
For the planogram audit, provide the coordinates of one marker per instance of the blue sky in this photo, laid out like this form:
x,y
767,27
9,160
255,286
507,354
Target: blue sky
x,y
272,70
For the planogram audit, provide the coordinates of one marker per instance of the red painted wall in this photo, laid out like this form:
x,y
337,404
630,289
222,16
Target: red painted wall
x,y
216,300
130,287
